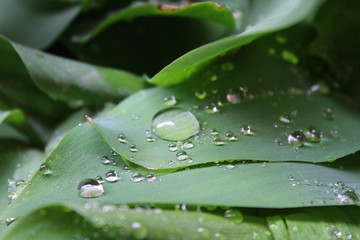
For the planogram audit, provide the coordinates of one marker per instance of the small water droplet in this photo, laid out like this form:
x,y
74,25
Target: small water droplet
x,y
175,124
246,130
105,160
182,155
90,188
227,66
230,136
320,87
216,140
291,178
204,233
45,169
8,221
297,138
213,132
111,176
136,177
313,134
150,177
187,144
99,179
133,148
278,141
233,97
122,138
172,147
200,94
337,234
138,231
211,109
285,119
149,137
134,117
230,166
11,196
234,216
334,133
114,153
213,78
169,101
329,113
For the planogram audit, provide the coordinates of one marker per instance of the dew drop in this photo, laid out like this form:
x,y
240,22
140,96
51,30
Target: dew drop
x,y
90,188
285,119
99,179
188,144
111,176
138,231
172,147
133,148
122,138
136,177
329,113
182,155
214,132
150,177
211,109
246,130
234,216
291,178
227,66
169,101
105,160
148,136
200,94
216,140
230,136
233,97
296,138
175,124
313,134
45,169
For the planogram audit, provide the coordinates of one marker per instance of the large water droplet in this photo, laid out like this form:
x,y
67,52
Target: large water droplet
x,y
313,134
45,169
234,215
175,124
297,138
182,155
90,188
169,101
111,176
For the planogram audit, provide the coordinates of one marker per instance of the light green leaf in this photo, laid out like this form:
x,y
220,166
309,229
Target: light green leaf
x,y
264,17
36,23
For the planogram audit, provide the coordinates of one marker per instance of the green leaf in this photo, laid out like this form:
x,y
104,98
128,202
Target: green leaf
x,y
63,79
263,18
36,23
206,11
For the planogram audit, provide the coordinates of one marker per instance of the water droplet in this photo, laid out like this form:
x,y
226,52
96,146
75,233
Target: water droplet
x,y
187,144
348,196
337,234
285,119
122,138
90,188
45,169
246,130
313,134
297,138
105,160
133,148
8,221
213,132
138,231
111,176
169,101
320,87
334,133
216,140
204,233
136,177
175,124
11,196
234,216
278,141
172,147
291,178
150,177
212,108
99,179
134,117
329,113
233,97
200,94
227,66
213,78
182,155
230,136
114,153
230,166
149,137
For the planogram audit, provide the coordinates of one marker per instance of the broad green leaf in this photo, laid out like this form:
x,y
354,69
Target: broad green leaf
x,y
264,17
124,223
206,10
276,185
63,79
272,91
36,23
